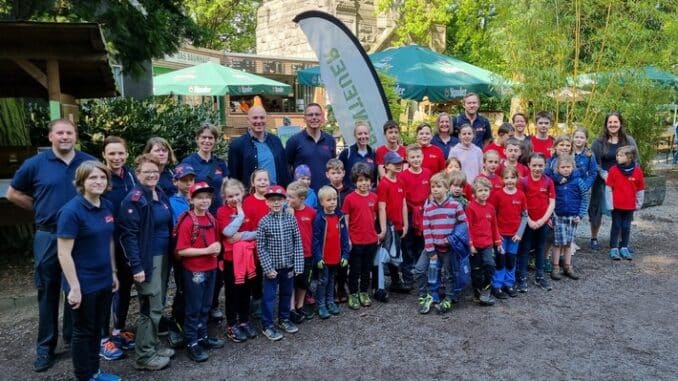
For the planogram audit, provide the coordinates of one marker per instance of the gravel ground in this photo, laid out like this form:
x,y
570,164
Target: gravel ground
x,y
614,323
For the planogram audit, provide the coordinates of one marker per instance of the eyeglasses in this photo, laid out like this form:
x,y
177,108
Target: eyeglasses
x,y
148,173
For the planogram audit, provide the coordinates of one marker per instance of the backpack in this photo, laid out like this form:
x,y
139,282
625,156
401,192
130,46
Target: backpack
x,y
195,230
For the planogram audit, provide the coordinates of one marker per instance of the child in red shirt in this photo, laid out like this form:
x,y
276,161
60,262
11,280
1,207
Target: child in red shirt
x,y
503,134
626,191
513,151
542,142
330,249
432,156
511,206
392,135
453,164
360,212
199,259
490,165
305,215
484,238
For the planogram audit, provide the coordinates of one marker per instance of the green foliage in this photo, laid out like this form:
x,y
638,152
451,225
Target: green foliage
x,y
224,24
388,83
13,131
139,120
416,18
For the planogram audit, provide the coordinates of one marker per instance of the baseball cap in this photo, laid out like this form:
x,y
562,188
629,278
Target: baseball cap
x,y
199,187
392,158
274,191
182,170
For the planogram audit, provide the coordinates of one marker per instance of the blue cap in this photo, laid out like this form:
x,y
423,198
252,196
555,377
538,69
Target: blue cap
x,y
182,170
392,158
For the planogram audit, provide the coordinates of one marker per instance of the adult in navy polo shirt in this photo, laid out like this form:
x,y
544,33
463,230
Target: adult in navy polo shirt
x,y
480,124
208,167
360,152
257,148
43,184
443,138
85,248
312,146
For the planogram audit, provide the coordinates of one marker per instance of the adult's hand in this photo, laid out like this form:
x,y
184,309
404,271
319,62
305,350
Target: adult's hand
x,y
74,298
139,277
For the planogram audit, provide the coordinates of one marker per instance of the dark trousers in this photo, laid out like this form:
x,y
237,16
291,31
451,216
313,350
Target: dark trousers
x,y
88,322
48,283
621,224
198,290
237,297
532,239
482,268
412,246
178,304
325,291
341,280
360,265
283,284
218,285
121,298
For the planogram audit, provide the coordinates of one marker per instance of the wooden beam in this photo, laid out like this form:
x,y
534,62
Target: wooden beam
x,y
46,52
54,89
32,70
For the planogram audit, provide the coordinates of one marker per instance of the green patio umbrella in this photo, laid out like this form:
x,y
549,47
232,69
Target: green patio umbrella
x,y
214,79
663,78
421,72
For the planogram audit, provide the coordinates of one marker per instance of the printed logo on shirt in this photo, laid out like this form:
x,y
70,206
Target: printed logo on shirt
x,y
130,211
488,216
109,218
218,172
544,190
515,202
369,160
371,204
424,182
305,219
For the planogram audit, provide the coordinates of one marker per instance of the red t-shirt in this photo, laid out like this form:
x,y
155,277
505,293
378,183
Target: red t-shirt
x,y
542,146
207,236
393,194
332,247
362,213
255,209
433,158
624,188
383,150
495,147
416,186
523,171
482,225
509,209
226,214
305,219
538,194
468,191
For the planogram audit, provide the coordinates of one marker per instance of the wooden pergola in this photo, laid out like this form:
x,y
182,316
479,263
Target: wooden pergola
x,y
39,60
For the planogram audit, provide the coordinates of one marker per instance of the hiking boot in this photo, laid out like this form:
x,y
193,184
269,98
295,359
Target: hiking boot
x,y
399,287
543,283
595,246
248,330
124,340
175,339
234,334
511,291
569,272
444,306
614,254
196,353
43,362
102,376
425,304
499,293
288,326
333,308
165,352
323,313
365,300
485,298
296,317
272,333
381,295
625,253
555,273
211,343
522,285
109,351
354,302
157,362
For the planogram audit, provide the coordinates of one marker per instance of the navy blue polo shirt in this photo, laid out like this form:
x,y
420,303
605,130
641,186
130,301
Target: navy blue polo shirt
x,y
166,182
120,186
91,228
212,171
481,126
438,142
161,220
49,181
350,157
301,148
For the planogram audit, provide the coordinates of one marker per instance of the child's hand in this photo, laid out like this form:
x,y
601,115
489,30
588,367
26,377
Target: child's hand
x,y
563,180
320,264
381,236
272,274
343,262
500,249
516,238
473,250
577,220
214,249
532,224
235,237
405,228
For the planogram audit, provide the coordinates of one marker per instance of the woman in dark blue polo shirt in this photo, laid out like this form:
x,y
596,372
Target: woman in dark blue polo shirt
x,y
162,151
85,248
360,152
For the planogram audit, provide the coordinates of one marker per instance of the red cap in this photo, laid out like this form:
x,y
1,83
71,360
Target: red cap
x,y
199,187
275,190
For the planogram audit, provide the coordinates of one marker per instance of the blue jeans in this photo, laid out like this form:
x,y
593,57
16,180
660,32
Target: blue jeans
x,y
285,282
446,277
198,290
88,323
325,290
532,239
621,224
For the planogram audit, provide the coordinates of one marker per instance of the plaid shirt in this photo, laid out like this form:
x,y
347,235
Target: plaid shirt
x,y
279,243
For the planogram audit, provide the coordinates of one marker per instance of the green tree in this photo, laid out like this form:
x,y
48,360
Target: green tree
x,y
225,24
416,18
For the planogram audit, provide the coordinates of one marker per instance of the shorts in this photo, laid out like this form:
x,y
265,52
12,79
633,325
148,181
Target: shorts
x,y
564,228
303,280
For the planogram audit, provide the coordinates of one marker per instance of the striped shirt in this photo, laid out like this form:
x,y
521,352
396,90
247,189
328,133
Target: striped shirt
x,y
439,222
279,243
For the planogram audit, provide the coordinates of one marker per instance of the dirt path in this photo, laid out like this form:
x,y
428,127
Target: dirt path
x,y
617,322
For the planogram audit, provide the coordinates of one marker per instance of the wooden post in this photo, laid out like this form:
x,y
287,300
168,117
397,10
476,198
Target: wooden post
x,y
54,89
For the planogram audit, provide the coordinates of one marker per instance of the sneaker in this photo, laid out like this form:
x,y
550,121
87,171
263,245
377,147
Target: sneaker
x,y
248,330
272,333
614,254
425,303
124,340
308,312
595,246
158,362
102,376
522,286
555,273
323,313
234,333
109,351
43,362
499,293
163,326
165,352
569,272
296,317
543,283
511,291
381,295
625,253
364,299
216,314
288,326
333,308
196,353
399,287
175,339
444,306
354,302
211,343
485,298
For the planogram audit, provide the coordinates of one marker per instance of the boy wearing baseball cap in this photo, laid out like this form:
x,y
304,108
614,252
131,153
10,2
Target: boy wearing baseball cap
x,y
199,246
282,257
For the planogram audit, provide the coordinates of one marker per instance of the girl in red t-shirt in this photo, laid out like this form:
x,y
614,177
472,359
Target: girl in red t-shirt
x,y
432,157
